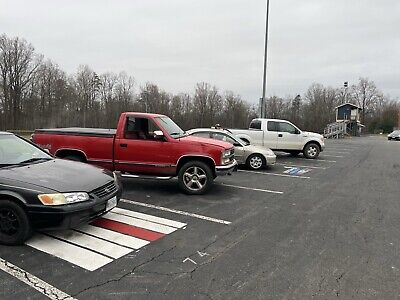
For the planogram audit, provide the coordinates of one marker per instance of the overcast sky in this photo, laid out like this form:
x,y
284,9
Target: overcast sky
x,y
177,43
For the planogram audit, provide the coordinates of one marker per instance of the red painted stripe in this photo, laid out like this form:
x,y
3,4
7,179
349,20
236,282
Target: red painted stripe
x,y
123,228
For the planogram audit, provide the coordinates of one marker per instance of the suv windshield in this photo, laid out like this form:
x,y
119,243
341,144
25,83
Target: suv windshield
x,y
15,151
173,130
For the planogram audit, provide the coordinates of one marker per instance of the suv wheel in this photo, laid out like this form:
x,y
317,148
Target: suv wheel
x,y
195,178
311,151
255,161
15,228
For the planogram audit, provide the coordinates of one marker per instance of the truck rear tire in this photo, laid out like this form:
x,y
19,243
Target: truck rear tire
x,y
311,151
195,177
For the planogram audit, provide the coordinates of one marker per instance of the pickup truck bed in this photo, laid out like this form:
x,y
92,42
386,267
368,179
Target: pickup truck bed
x,y
80,131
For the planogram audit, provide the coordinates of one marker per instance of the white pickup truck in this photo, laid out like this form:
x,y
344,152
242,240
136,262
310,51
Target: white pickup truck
x,y
281,135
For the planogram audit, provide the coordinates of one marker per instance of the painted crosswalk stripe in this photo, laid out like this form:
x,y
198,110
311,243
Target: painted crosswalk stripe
x,y
140,223
150,218
115,237
92,243
110,237
128,229
74,254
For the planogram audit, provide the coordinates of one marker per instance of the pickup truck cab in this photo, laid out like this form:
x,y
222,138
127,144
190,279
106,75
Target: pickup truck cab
x,y
144,145
282,135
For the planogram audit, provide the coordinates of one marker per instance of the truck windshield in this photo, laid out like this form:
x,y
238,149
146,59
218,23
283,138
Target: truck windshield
x,y
173,130
16,151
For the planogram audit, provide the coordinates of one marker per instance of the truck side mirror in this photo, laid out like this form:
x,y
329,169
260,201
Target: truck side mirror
x,y
158,135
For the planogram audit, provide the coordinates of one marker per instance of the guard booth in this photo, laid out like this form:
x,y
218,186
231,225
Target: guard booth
x,y
347,122
350,113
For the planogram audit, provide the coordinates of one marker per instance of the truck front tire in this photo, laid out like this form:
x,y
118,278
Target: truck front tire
x,y
195,178
311,151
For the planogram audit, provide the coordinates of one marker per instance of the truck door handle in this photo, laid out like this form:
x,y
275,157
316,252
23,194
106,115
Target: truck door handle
x,y
123,145
280,135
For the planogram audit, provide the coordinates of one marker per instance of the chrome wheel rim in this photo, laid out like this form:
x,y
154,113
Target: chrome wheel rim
x,y
195,178
312,151
256,162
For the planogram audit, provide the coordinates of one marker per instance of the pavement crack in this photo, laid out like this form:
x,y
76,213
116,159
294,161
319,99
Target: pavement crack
x,y
124,275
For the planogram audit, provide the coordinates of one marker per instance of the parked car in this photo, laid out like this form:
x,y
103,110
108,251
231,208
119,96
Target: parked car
x,y
38,191
144,145
281,135
254,157
395,135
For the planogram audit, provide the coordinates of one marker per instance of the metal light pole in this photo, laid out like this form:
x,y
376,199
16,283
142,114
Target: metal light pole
x,y
265,63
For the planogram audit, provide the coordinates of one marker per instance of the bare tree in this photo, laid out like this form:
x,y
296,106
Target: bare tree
x,y
207,103
18,66
367,96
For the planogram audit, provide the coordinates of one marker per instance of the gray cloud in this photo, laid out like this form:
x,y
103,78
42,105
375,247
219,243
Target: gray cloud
x,y
177,43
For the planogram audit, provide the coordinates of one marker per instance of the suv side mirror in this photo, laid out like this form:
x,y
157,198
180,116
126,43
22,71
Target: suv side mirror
x,y
158,135
297,131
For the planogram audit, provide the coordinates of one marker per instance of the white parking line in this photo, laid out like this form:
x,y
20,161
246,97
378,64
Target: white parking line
x,y
317,160
336,156
150,218
300,166
41,286
336,152
340,148
179,212
275,174
251,189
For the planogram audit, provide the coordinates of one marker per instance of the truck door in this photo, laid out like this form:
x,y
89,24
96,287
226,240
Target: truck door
x,y
289,137
138,151
271,135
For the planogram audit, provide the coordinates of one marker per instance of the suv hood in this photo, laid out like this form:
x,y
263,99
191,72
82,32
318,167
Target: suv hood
x,y
194,139
58,175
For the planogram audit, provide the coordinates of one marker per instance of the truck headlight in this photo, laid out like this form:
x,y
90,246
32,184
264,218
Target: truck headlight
x,y
226,153
226,157
61,199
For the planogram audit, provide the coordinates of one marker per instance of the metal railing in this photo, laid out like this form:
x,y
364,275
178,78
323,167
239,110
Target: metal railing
x,y
336,130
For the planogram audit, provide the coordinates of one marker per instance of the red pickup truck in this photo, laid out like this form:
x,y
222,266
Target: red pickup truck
x,y
144,145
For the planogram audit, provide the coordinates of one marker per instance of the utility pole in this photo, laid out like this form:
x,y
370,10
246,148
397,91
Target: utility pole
x,y
265,64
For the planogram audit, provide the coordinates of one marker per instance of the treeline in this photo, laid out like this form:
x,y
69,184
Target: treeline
x,y
316,108
36,93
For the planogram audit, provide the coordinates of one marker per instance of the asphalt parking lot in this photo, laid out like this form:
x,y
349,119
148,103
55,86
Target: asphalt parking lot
x,y
320,228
